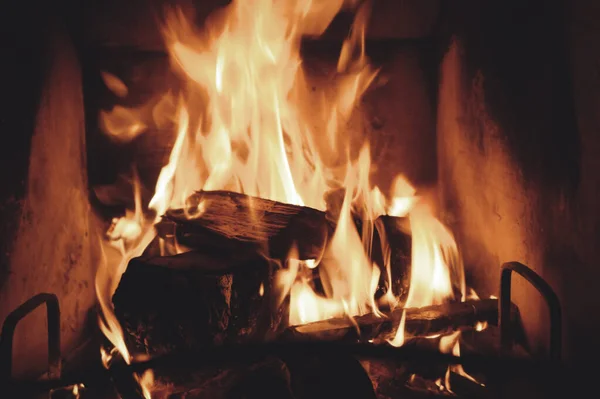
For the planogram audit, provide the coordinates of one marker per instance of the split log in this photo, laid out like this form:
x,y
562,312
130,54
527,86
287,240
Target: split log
x,y
436,319
238,223
244,225
194,300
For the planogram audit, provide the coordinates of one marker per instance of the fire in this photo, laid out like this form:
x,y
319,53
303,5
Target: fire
x,y
435,266
346,273
126,238
248,137
241,126
403,197
434,260
451,344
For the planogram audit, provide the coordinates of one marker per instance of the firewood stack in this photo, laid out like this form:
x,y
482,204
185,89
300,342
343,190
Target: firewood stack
x,y
211,294
221,291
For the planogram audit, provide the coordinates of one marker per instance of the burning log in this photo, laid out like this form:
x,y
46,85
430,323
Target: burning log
x,y
392,246
222,277
244,225
391,243
423,321
195,299
237,223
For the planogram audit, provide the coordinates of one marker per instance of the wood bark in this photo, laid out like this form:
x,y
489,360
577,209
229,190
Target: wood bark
x,y
246,225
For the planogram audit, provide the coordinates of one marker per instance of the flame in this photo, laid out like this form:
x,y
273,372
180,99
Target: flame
x,y
436,266
76,390
121,124
399,338
403,197
434,259
349,279
146,381
481,325
248,137
114,84
348,274
451,344
126,238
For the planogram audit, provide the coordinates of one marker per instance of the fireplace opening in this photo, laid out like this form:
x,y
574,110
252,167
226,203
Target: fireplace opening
x,y
298,199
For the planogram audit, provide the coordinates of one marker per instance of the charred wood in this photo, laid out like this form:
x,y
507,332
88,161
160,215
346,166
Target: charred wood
x,y
387,376
392,243
300,376
194,300
268,377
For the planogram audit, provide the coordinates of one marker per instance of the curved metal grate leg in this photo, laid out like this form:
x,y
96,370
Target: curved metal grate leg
x,y
545,291
8,332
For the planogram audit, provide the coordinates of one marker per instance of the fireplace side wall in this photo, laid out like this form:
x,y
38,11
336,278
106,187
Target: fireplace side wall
x,y
517,152
46,233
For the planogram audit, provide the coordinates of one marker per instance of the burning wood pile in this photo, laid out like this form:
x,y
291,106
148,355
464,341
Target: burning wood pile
x,y
264,225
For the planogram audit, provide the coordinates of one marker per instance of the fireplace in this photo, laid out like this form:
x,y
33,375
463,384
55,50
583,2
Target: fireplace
x,y
365,174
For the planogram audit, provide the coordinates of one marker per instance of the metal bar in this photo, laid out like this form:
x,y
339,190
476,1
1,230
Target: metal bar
x,y
545,291
10,324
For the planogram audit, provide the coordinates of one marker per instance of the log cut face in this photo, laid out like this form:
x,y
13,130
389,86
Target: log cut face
x,y
193,300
